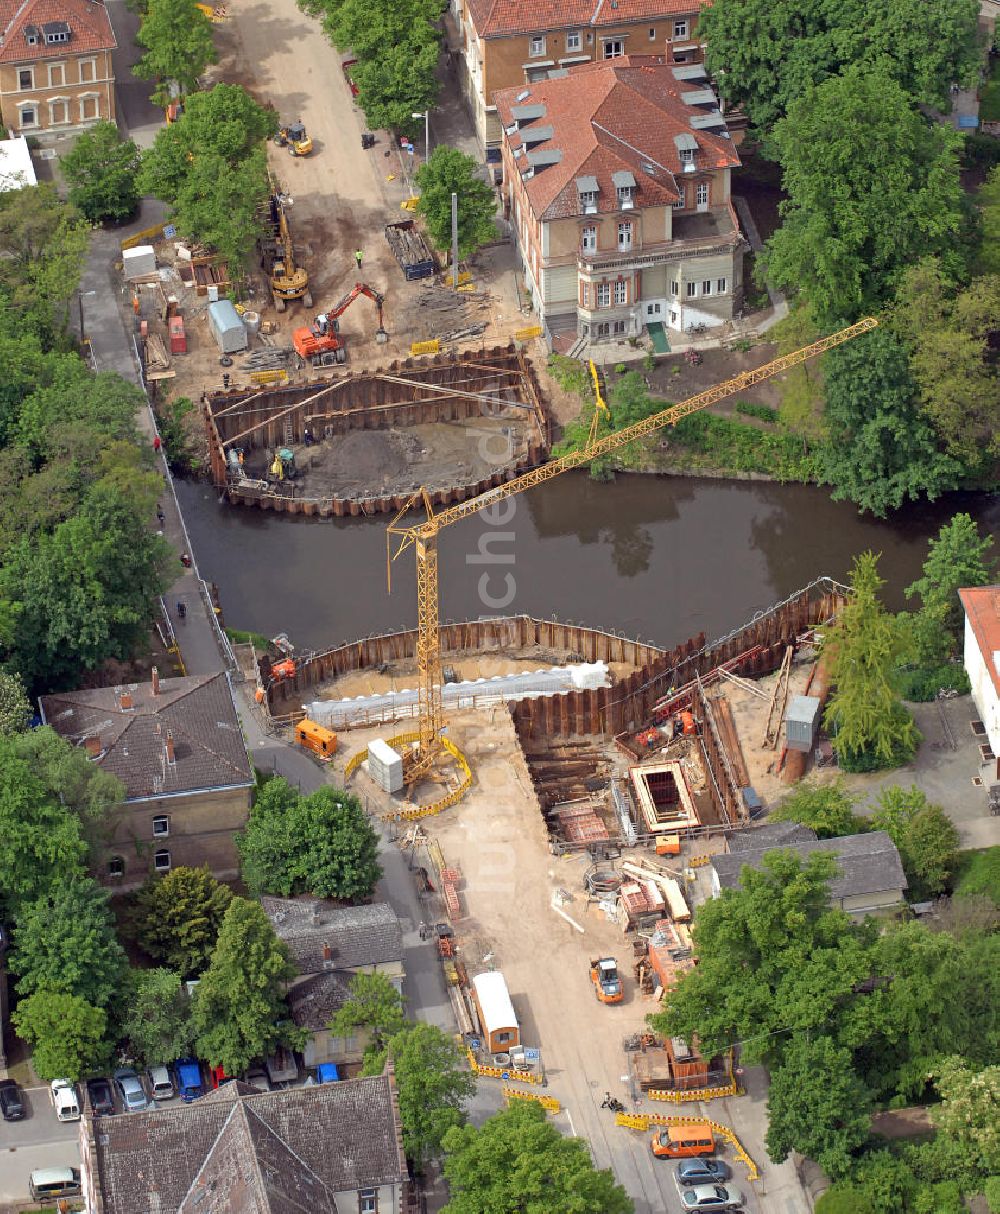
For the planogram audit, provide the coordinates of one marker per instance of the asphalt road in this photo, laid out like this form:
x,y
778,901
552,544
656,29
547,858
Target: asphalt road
x,y
39,1141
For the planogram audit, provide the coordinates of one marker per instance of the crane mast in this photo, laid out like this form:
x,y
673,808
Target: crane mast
x,y
422,536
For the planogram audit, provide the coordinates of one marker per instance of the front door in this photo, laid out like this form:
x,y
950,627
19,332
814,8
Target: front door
x,y
701,196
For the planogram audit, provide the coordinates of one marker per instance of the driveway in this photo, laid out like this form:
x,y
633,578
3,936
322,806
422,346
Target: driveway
x,y
136,113
39,1141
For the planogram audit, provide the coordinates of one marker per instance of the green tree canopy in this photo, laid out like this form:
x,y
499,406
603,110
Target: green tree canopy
x,y
65,942
434,1083
518,1163
177,36
969,1111
872,186
871,727
880,451
239,1010
768,54
321,844
15,707
70,774
177,918
956,558
926,837
817,1105
988,201
448,172
66,1032
101,170
157,1017
827,808
374,1004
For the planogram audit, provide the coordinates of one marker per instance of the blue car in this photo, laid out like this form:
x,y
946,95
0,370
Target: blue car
x,y
701,1171
187,1077
327,1072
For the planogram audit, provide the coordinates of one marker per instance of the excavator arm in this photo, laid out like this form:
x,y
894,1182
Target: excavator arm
x,y
362,288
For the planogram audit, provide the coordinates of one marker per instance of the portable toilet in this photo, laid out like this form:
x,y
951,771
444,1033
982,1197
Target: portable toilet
x,y
318,739
496,1012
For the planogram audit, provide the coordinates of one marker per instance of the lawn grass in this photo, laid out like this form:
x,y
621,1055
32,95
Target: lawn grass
x,y
978,872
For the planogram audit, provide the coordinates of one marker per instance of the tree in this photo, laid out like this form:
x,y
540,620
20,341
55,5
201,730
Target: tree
x,y
880,451
400,79
969,1111
239,1005
177,36
448,172
374,1004
157,1019
321,844
988,201
816,1105
434,1083
177,918
70,774
827,808
15,707
101,170
872,186
926,837
67,1033
65,942
766,55
871,727
955,559
843,1198
517,1163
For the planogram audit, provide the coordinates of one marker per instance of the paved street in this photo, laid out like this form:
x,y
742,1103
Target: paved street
x,y
40,1141
136,113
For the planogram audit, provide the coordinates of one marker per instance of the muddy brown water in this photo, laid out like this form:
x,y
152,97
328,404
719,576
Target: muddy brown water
x,y
661,558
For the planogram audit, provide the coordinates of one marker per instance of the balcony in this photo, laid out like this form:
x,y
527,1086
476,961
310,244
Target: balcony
x,y
694,234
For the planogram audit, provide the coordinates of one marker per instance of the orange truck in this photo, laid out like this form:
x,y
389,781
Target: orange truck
x,y
607,983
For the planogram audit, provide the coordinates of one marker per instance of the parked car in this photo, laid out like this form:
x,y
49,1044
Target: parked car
x,y
701,1171
187,1076
256,1076
133,1094
11,1101
218,1076
711,1197
327,1072
101,1096
64,1100
160,1083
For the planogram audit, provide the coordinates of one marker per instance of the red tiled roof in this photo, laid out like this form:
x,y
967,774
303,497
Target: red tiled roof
x,y
982,607
498,18
88,21
606,117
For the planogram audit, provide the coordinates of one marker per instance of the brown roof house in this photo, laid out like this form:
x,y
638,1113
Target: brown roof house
x,y
333,1148
982,658
55,65
329,944
177,746
504,44
616,182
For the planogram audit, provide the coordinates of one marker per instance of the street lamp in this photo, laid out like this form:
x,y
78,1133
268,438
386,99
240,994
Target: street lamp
x,y
426,115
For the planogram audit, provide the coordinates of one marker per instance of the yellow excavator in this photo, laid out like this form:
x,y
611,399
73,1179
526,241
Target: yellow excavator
x,y
294,138
288,281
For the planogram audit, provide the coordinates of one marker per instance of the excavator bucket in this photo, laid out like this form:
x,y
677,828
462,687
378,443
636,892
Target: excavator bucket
x,y
381,336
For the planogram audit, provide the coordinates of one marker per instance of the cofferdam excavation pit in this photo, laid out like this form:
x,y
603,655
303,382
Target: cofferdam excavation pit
x,y
362,443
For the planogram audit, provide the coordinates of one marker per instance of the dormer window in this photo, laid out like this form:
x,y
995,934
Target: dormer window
x,y
60,37
586,188
55,32
687,155
624,184
687,146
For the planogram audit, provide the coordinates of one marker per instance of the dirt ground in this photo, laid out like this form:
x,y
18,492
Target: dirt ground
x,y
675,379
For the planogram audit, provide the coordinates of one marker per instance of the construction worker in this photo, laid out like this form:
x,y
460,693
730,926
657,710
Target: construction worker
x,y
358,256
157,443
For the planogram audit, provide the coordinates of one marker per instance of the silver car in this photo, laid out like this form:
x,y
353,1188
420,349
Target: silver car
x,y
133,1094
711,1197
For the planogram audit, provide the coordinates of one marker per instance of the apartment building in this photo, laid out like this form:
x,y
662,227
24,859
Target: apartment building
x,y
616,180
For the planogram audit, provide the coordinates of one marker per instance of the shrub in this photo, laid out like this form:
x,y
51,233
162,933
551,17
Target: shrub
x,y
991,1191
979,873
763,413
920,684
735,447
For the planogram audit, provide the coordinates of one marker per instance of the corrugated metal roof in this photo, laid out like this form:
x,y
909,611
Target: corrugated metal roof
x,y
494,1002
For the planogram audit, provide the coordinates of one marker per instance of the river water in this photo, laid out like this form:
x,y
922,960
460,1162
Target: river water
x,y
661,558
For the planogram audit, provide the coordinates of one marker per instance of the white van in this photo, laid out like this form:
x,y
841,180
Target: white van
x,y
46,1184
160,1083
65,1100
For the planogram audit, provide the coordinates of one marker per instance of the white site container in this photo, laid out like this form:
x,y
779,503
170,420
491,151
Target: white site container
x,y
385,766
139,261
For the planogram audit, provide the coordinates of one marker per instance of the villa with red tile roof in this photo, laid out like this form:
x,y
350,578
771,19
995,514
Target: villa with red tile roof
x,y
55,65
982,657
504,43
616,182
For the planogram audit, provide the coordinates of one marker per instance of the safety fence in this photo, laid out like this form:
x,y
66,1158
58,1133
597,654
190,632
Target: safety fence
x,y
688,1097
435,807
549,1103
642,1122
505,1073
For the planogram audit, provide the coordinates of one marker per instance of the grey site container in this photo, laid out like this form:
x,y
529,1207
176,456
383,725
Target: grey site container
x,y
227,327
801,722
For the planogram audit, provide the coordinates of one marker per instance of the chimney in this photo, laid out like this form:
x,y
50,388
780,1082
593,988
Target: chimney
x,y
156,681
125,702
169,745
93,746
327,953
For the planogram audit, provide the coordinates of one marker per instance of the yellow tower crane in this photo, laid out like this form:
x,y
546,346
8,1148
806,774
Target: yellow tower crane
x,y
422,536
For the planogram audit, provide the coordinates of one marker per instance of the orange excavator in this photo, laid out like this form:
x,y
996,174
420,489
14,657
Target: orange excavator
x,y
321,343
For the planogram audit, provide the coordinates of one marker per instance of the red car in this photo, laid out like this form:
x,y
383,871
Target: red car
x,y
347,65
219,1076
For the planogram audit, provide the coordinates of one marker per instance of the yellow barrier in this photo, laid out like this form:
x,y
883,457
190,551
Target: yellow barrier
x,y
409,204
261,379
464,276
528,334
502,1072
419,811
730,1089
698,861
548,1103
146,234
425,347
642,1121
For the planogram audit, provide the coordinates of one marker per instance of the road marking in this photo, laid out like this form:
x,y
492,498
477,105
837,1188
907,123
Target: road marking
x,y
572,1127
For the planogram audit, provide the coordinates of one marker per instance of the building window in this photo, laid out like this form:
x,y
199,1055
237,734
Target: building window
x,y
572,42
161,861
624,237
621,292
619,328
626,197
681,202
604,295
680,29
88,70
57,75
537,46
90,108
702,194
614,48
686,155
720,286
53,38
161,826
691,288
368,1201
588,201
116,867
26,79
674,288
29,116
652,34
706,287
58,112
604,329
588,241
